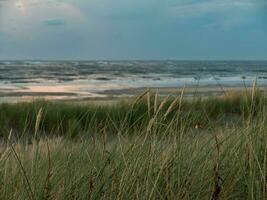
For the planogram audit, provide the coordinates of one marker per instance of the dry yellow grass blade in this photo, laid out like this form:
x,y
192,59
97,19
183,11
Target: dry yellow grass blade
x,y
150,124
148,103
152,121
140,97
254,88
162,104
38,121
181,98
156,101
173,104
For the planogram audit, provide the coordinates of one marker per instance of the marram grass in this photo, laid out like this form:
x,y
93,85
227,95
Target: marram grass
x,y
149,150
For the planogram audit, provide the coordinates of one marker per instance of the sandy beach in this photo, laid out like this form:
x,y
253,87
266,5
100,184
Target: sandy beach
x,y
85,92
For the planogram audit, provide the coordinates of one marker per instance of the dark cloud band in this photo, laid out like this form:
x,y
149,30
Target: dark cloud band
x,y
54,22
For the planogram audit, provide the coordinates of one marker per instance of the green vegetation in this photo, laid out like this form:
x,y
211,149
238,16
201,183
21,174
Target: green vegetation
x,y
82,120
153,148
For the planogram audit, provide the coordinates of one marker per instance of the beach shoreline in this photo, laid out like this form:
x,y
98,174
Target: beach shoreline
x,y
75,93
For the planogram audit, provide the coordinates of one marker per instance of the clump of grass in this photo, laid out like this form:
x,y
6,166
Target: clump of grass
x,y
149,150
60,118
176,166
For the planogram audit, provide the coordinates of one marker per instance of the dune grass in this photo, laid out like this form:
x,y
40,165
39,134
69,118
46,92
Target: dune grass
x,y
79,120
149,149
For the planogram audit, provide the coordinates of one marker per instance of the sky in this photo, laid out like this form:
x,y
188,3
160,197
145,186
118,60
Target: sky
x,y
133,29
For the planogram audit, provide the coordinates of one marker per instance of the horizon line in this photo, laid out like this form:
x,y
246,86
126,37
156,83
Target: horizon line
x,y
200,60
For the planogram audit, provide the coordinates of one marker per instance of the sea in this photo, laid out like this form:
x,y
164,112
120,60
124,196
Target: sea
x,y
96,77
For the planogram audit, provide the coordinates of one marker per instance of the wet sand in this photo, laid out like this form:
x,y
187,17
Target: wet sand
x,y
189,91
83,93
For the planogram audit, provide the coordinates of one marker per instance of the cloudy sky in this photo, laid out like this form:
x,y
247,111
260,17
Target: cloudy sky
x,y
133,29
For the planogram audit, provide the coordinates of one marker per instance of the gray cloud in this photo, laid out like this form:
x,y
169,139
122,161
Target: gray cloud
x,y
54,22
134,29
1,2
217,6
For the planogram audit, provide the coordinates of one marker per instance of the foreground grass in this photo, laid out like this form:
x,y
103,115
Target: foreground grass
x,y
149,150
222,164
